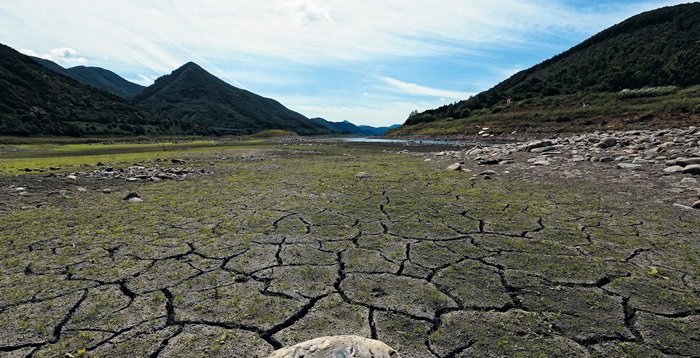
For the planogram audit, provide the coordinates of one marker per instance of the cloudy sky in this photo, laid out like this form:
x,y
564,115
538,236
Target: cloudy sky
x,y
366,61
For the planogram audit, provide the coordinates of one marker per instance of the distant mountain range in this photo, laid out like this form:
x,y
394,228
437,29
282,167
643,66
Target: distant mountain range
x,y
346,127
38,101
96,77
194,95
188,101
653,49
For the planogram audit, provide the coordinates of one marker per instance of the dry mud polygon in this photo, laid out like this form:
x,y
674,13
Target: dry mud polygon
x,y
268,253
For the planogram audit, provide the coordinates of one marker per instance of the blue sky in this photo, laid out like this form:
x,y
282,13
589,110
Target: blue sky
x,y
368,62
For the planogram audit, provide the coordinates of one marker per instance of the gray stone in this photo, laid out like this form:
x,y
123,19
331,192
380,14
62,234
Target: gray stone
x,y
72,177
362,175
692,169
628,166
687,161
674,169
609,142
337,347
696,205
455,166
135,200
178,161
606,159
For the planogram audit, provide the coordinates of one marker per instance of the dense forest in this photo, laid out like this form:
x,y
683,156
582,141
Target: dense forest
x,y
38,101
194,95
653,49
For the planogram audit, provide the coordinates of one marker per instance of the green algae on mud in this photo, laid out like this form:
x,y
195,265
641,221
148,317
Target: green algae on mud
x,y
291,245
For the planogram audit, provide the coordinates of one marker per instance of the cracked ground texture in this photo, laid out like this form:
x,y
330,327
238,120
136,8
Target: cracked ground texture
x,y
268,253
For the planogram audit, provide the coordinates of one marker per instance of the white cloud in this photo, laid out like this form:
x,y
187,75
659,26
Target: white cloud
x,y
414,89
63,56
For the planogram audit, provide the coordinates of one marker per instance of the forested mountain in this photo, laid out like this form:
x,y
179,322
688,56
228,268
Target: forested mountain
x,y
343,127
38,101
194,95
97,77
653,49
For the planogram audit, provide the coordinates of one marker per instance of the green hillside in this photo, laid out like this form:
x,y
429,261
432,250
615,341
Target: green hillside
x,y
582,86
38,101
192,94
96,77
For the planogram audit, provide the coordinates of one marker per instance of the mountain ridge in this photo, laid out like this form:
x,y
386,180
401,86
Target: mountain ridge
x,y
192,94
653,49
96,77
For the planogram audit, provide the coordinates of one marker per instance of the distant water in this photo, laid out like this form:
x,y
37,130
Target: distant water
x,y
406,141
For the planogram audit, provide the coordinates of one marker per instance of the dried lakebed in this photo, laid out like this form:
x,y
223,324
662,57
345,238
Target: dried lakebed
x,y
242,257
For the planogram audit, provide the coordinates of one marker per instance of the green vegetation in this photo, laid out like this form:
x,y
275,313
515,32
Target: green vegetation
x,y
96,77
584,87
37,101
194,95
282,243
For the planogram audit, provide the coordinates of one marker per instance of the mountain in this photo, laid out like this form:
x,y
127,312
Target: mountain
x,y
379,131
37,101
194,95
347,127
654,49
344,127
97,77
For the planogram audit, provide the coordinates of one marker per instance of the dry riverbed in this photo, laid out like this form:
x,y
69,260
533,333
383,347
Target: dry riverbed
x,y
237,254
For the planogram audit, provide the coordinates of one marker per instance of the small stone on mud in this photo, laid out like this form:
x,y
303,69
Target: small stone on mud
x,y
131,195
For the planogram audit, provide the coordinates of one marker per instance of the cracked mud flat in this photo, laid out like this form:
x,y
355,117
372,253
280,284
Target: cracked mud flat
x,y
269,253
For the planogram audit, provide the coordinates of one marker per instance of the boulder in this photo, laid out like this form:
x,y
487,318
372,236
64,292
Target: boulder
x,y
337,346
608,142
692,169
687,161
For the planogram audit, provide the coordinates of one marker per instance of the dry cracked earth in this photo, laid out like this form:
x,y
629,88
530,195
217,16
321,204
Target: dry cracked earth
x,y
251,256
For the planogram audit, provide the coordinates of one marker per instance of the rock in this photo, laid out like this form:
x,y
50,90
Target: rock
x,y
487,173
681,206
696,205
692,169
628,166
106,191
687,161
178,161
337,346
489,161
541,162
71,177
455,166
362,175
135,200
606,159
54,168
609,142
674,169
20,188
130,196
82,188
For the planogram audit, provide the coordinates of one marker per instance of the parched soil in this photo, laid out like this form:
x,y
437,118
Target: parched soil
x,y
247,256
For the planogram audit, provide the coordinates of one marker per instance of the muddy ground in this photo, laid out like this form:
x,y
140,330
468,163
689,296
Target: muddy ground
x,y
250,253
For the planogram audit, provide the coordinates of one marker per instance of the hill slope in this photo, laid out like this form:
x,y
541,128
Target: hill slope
x,y
97,77
655,48
192,94
38,101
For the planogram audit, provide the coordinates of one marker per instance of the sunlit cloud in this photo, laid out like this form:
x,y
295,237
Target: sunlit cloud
x,y
62,56
414,89
410,53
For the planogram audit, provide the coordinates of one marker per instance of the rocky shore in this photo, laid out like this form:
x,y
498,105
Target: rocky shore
x,y
670,156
